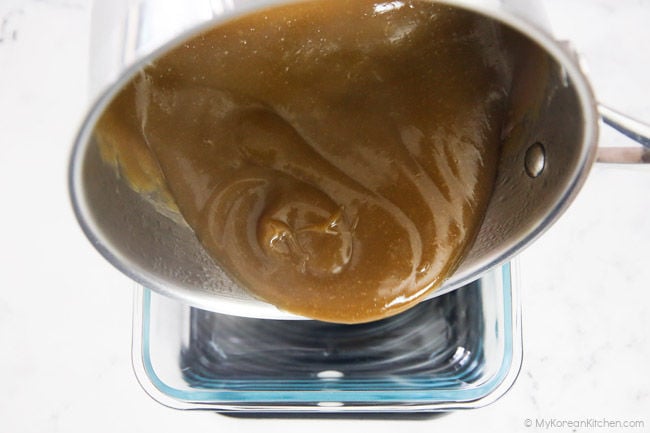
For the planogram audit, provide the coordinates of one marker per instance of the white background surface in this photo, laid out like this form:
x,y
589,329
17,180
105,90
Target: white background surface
x,y
65,314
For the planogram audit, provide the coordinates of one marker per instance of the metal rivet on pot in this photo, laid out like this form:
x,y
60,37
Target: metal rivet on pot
x,y
535,159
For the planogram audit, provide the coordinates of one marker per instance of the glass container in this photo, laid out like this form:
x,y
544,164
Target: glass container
x,y
455,351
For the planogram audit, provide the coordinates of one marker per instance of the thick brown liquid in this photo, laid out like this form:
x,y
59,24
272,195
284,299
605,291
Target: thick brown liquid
x,y
336,157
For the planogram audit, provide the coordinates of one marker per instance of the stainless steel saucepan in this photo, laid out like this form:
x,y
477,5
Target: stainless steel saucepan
x,y
551,143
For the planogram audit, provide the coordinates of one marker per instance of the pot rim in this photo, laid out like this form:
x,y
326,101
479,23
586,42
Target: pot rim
x,y
557,50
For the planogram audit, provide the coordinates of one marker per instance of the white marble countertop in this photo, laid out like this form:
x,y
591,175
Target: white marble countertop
x,y
65,314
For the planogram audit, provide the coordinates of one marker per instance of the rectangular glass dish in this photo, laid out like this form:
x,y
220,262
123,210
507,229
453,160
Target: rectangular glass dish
x,y
458,350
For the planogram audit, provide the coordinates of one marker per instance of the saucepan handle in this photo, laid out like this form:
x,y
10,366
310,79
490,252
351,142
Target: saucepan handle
x,y
631,128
